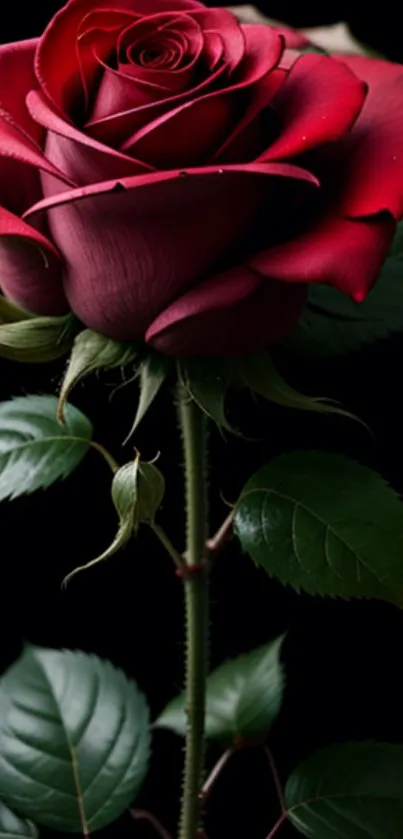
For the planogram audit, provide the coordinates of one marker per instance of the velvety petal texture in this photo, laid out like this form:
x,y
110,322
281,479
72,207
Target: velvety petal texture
x,y
131,248
175,176
225,314
30,267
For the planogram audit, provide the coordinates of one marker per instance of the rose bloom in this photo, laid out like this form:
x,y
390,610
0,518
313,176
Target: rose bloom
x,y
173,176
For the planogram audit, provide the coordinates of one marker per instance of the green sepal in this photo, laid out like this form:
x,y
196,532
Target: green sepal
x,y
11,312
91,352
260,375
207,381
36,340
152,372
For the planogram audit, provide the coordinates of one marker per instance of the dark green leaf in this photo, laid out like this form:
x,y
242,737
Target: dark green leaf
x,y
349,791
322,523
12,827
333,324
74,740
153,372
91,352
37,340
207,382
244,697
35,450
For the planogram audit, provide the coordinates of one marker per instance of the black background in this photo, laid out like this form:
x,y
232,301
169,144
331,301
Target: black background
x,y
343,659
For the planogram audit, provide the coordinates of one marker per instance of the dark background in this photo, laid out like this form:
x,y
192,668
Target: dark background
x,y
343,659
377,24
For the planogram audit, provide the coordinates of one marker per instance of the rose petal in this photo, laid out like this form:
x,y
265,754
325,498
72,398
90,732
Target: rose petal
x,y
223,23
57,65
316,104
96,37
373,160
345,254
83,159
294,39
246,140
132,247
220,23
16,145
230,314
19,135
132,86
191,133
30,267
17,70
182,31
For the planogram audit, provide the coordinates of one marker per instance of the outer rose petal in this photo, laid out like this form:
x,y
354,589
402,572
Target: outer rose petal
x,y
20,136
18,78
30,267
57,65
131,248
83,159
230,314
342,253
315,105
373,167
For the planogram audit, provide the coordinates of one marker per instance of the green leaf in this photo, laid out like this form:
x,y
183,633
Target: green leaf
x,y
35,451
74,740
12,827
91,352
261,376
348,791
37,340
333,324
207,382
322,523
137,491
244,697
153,372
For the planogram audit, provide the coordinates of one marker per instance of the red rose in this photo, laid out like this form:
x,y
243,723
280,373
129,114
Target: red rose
x,y
173,175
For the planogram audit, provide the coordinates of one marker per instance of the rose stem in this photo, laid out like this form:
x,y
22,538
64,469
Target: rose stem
x,y
143,814
195,580
275,776
214,774
277,826
224,533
